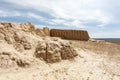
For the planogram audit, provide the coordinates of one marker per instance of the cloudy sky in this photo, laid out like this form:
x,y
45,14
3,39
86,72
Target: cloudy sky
x,y
101,18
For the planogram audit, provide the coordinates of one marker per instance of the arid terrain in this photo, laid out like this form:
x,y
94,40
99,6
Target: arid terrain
x,y
29,54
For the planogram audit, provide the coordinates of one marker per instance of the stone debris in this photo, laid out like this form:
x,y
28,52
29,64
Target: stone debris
x,y
12,59
40,32
26,44
46,31
55,50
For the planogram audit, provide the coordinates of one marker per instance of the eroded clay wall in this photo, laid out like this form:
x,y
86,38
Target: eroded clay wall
x,y
70,34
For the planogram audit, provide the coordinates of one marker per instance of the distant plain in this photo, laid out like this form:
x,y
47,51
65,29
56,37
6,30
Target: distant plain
x,y
113,40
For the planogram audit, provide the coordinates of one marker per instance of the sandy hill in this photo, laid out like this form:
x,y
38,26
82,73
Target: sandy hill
x,y
27,53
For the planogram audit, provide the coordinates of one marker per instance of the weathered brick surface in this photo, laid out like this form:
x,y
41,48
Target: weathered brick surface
x,y
70,34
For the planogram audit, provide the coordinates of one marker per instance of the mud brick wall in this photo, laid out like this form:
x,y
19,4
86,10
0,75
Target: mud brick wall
x,y
70,34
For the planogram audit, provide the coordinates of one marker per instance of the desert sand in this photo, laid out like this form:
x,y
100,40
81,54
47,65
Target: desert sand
x,y
29,55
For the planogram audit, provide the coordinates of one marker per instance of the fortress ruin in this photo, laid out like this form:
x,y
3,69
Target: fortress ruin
x,y
70,34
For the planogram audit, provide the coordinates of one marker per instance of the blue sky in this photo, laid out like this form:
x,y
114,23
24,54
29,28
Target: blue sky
x,y
99,17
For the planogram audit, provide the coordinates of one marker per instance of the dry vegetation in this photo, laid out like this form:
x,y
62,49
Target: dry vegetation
x,y
116,42
102,47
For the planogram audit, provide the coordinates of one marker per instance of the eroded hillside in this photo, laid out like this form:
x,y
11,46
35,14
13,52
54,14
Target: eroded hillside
x,y
27,53
22,45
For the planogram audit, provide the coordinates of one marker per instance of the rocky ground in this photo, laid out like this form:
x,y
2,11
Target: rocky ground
x,y
87,66
27,54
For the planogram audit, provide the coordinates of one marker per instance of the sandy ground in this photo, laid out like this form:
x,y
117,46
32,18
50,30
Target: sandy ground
x,y
87,66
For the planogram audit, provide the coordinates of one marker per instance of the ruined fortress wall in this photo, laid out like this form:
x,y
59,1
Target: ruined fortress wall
x,y
70,34
46,31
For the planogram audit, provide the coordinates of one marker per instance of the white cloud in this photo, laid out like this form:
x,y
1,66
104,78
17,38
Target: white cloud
x,y
35,16
69,13
76,10
58,21
118,31
75,23
8,13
